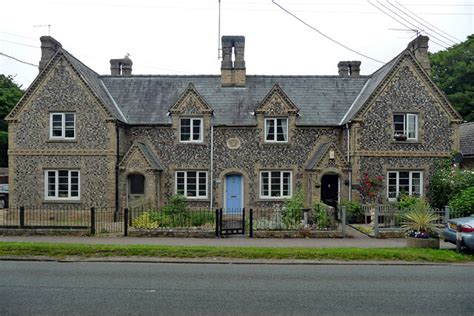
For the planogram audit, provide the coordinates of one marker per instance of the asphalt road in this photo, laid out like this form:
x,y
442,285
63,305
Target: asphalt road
x,y
51,288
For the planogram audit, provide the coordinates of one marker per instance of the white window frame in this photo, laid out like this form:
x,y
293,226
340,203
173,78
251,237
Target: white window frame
x,y
56,183
410,183
63,125
201,128
406,119
269,196
186,184
275,133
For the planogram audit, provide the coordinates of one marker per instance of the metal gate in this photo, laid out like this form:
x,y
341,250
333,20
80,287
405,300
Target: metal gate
x,y
231,222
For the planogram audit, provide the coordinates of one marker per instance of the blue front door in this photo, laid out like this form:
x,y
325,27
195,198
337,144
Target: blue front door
x,y
233,193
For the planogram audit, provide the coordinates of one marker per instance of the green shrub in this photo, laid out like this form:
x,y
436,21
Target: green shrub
x,y
354,211
145,221
446,182
463,203
176,204
292,212
201,218
321,215
406,202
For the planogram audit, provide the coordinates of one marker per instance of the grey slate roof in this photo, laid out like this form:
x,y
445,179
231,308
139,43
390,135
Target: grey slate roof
x,y
150,156
92,79
372,84
318,155
466,137
322,100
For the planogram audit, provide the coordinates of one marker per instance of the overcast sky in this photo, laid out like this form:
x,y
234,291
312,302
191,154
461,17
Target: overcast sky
x,y
181,36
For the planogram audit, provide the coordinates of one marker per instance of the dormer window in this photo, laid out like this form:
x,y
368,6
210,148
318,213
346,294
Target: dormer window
x,y
405,126
276,130
190,130
62,126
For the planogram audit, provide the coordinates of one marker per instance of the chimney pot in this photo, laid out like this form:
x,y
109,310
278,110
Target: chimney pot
x,y
49,47
121,66
419,48
233,70
349,68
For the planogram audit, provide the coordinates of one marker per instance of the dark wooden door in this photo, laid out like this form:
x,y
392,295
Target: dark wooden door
x,y
330,189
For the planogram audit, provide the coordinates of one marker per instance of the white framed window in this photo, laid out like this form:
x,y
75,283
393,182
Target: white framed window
x,y
190,130
276,130
409,182
62,126
405,126
62,184
275,184
192,184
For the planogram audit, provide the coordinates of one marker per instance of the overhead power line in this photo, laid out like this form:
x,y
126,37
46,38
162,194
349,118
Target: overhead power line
x,y
417,16
326,36
18,60
422,24
18,43
398,21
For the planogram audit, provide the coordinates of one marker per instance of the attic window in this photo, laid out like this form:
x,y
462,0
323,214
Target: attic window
x,y
190,130
276,130
405,126
62,126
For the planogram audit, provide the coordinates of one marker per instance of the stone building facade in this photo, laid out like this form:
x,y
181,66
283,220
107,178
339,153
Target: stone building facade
x,y
230,140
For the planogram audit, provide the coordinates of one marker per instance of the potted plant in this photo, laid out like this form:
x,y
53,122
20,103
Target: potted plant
x,y
420,225
400,137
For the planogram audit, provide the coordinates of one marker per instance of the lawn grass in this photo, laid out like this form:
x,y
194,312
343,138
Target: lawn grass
x,y
346,254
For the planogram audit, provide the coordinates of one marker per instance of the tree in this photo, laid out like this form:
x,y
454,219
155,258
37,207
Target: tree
x,y
453,71
10,94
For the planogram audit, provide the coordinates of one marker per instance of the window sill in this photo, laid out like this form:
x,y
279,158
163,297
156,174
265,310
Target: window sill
x,y
276,143
180,143
62,201
61,141
405,142
276,199
197,199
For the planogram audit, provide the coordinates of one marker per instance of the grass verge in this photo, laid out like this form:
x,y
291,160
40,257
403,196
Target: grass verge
x,y
347,254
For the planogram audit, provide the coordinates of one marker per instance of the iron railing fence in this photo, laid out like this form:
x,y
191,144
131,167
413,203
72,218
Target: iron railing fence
x,y
321,218
149,218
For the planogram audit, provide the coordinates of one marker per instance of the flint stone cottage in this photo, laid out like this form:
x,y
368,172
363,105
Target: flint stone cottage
x,y
231,140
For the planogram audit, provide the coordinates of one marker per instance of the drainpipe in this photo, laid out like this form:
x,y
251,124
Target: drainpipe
x,y
117,135
349,161
211,202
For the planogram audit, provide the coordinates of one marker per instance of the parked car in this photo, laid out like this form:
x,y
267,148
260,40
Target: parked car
x,y
467,231
3,195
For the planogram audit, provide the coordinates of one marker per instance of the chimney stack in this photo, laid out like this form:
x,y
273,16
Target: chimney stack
x,y
121,67
233,63
419,48
49,47
349,68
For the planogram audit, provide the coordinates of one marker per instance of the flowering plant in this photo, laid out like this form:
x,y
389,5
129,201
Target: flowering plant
x,y
370,187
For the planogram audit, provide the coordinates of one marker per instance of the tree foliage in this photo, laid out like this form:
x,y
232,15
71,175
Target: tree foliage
x,y
447,182
453,71
10,94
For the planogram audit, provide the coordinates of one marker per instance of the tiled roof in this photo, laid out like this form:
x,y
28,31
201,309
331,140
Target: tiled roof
x,y
322,100
92,79
150,156
318,155
466,138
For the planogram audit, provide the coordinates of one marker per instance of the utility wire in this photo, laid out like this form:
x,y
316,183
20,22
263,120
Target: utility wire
x,y
20,36
422,24
417,16
18,60
415,25
326,36
392,17
18,43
